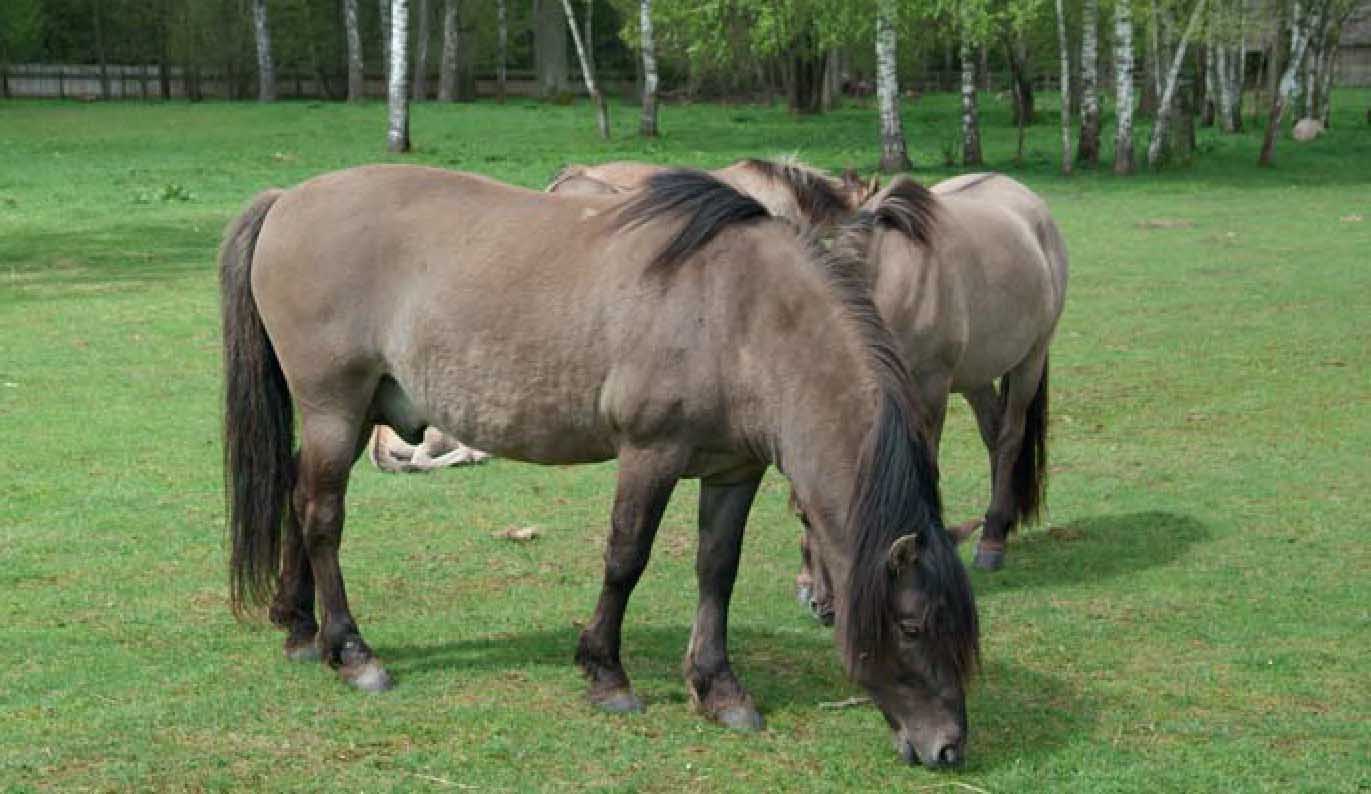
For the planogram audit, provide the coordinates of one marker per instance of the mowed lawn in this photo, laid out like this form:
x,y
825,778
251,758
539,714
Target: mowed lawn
x,y
1193,616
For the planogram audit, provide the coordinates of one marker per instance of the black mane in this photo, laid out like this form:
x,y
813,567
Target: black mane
x,y
707,204
896,493
907,207
820,201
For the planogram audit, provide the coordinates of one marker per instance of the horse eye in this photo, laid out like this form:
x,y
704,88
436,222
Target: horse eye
x,y
910,628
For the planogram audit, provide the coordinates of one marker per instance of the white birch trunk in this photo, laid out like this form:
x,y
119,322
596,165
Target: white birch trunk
x,y
266,73
397,136
422,35
1064,49
648,125
894,152
1089,150
1224,78
1299,34
447,70
502,46
588,72
1164,111
356,86
971,128
1123,86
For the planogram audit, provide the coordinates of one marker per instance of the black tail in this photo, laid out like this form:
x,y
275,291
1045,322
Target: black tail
x,y
259,472
1030,469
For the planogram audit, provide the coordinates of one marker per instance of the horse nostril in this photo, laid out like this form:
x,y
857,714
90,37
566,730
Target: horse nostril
x,y
949,756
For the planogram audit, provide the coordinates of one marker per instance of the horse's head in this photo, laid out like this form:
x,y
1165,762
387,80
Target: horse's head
x,y
917,674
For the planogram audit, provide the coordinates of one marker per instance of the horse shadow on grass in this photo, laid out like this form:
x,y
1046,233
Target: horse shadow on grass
x,y
1015,712
1093,549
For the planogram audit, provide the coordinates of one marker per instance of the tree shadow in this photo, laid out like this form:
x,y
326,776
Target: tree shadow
x,y
1093,549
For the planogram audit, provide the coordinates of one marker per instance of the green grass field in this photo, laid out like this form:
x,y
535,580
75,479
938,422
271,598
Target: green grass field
x,y
1193,617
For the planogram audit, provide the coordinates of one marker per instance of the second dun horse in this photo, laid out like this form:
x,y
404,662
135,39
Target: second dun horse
x,y
680,330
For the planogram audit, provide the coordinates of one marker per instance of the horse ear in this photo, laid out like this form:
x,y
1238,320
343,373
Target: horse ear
x,y
873,187
903,553
851,179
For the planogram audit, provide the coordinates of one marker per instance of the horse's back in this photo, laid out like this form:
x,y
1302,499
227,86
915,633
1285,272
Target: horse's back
x,y
994,290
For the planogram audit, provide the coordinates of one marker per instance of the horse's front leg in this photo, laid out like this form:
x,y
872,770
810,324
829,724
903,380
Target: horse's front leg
x,y
714,689
646,480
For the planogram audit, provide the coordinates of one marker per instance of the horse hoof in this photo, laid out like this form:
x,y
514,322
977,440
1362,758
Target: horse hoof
x,y
989,559
822,613
619,702
741,718
369,676
307,651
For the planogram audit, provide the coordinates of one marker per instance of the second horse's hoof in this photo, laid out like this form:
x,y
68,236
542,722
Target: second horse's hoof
x,y
621,701
369,676
989,559
742,718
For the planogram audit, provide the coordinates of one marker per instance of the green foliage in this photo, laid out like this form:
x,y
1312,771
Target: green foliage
x,y
21,28
1193,617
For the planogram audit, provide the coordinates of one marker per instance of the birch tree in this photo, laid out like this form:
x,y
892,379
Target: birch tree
x,y
421,37
1064,53
397,136
588,73
1123,86
1167,106
648,125
894,152
1088,150
447,69
266,74
356,75
971,126
1299,33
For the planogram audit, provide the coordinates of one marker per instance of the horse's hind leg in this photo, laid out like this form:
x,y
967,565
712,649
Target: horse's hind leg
x,y
293,608
1017,390
328,447
646,480
714,689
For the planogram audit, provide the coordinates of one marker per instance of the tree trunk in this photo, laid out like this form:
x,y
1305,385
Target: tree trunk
x,y
648,125
1224,79
447,71
983,67
971,128
1325,108
806,67
1123,86
1020,79
502,49
163,52
1152,88
98,13
1088,150
1064,54
266,73
588,72
1204,57
1164,112
421,39
1299,33
397,136
894,152
356,86
549,48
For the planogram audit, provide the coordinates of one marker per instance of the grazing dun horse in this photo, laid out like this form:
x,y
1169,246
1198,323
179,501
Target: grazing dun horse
x,y
787,187
971,280
680,330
